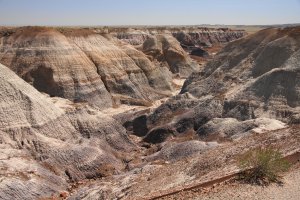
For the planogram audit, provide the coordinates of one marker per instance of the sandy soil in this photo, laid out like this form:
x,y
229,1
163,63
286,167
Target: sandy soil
x,y
233,190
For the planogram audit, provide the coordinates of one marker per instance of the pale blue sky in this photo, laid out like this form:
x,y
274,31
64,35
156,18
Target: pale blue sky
x,y
148,12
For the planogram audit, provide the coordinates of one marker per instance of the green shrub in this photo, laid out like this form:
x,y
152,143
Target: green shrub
x,y
262,166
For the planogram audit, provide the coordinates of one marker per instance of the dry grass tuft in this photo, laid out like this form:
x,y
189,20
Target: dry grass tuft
x,y
262,166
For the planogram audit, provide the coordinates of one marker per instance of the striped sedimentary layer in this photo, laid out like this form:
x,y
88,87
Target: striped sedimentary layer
x,y
81,65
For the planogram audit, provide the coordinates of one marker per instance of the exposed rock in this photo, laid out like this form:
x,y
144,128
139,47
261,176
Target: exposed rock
x,y
176,151
126,72
185,123
139,125
202,167
199,52
295,119
47,142
172,108
24,111
64,194
158,135
81,65
218,128
246,81
192,36
54,65
184,113
207,37
133,37
44,144
159,77
166,48
252,80
27,118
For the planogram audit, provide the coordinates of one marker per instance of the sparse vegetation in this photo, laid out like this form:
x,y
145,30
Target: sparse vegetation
x,y
262,166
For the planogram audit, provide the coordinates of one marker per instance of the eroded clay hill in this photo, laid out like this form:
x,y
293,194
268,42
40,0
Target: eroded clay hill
x,y
83,66
45,143
257,76
247,97
52,139
251,83
54,65
192,36
166,49
55,84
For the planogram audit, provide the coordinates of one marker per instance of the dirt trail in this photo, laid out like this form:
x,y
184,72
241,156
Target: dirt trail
x,y
226,188
290,190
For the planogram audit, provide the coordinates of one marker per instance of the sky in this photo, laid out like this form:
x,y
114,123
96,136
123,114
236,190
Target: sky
x,y
148,12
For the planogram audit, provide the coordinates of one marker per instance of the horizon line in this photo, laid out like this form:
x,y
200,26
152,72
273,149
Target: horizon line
x,y
152,25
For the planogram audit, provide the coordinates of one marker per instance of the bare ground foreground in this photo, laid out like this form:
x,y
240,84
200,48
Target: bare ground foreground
x,y
194,177
289,190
